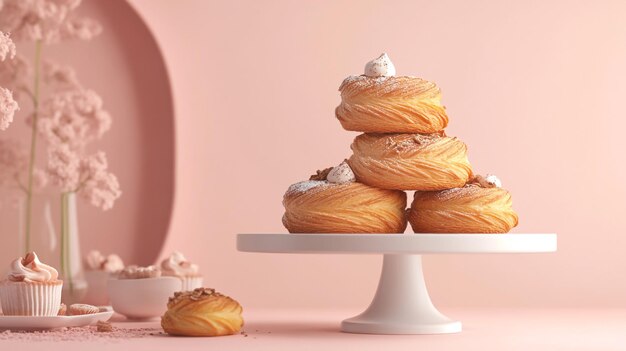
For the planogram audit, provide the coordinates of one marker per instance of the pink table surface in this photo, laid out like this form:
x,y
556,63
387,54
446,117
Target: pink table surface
x,y
485,329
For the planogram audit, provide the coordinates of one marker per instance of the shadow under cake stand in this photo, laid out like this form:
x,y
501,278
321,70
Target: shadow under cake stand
x,y
401,304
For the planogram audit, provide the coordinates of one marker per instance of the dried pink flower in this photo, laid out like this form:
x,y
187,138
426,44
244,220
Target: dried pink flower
x,y
49,21
73,117
16,75
89,177
7,47
100,186
8,106
64,167
13,161
63,77
81,28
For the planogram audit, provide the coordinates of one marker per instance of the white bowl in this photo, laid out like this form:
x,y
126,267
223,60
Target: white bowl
x,y
142,298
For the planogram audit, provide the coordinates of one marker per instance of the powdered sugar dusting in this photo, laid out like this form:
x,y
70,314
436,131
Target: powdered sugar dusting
x,y
304,186
362,79
456,193
400,86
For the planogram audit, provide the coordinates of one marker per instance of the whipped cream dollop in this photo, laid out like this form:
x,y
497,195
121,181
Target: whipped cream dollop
x,y
137,272
341,174
380,67
178,265
488,181
30,269
96,261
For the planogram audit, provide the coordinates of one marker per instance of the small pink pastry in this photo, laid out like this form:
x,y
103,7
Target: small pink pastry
x,y
178,266
32,288
137,272
79,309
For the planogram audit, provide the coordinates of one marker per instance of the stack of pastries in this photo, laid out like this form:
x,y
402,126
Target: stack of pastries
x,y
403,147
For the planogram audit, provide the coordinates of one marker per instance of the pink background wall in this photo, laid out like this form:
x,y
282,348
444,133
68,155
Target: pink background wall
x,y
125,67
535,89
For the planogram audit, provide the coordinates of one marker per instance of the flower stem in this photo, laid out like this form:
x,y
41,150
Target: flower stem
x,y
65,241
33,147
62,232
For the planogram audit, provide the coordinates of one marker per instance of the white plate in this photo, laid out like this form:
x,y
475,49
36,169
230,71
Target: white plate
x,y
396,243
51,322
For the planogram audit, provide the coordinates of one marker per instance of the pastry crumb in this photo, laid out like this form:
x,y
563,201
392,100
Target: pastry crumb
x,y
104,327
321,175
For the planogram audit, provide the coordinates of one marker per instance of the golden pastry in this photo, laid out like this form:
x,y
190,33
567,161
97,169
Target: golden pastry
x,y
481,206
380,102
332,202
202,312
104,327
410,161
62,310
79,309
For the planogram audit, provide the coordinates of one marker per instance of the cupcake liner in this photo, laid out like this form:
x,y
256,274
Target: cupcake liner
x,y
190,283
30,299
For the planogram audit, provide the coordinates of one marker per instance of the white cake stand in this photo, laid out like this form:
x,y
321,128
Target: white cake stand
x,y
401,304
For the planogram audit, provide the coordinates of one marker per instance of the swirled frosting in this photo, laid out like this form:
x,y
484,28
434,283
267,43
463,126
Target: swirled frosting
x,y
30,269
380,67
341,174
178,265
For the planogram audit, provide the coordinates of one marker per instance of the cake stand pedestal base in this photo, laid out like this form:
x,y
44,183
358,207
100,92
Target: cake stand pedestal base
x,y
401,304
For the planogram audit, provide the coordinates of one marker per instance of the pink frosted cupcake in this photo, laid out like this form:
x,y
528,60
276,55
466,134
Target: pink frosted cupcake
x,y
32,288
177,266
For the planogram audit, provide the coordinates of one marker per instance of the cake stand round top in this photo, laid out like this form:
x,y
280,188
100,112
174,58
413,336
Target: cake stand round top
x,y
397,243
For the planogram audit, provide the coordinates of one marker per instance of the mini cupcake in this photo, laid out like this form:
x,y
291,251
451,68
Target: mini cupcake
x,y
177,266
99,269
32,288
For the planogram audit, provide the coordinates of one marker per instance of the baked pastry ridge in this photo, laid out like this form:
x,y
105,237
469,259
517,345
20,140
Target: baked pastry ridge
x,y
202,312
378,101
481,206
410,161
328,203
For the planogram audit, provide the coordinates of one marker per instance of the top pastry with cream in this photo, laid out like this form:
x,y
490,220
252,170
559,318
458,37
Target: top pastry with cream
x,y
379,101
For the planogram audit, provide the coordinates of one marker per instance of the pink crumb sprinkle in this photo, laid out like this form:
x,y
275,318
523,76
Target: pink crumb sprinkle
x,y
86,334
